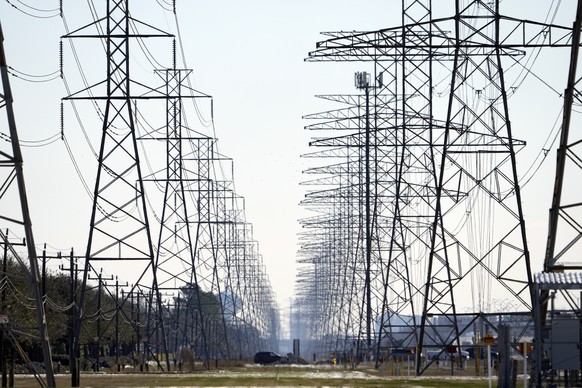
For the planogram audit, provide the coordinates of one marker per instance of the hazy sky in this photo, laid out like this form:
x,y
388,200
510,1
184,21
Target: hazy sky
x,y
249,55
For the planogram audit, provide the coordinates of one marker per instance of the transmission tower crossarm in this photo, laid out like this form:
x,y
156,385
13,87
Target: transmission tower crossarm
x,y
154,32
385,43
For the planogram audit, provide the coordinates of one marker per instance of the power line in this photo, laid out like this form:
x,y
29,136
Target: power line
x,y
56,11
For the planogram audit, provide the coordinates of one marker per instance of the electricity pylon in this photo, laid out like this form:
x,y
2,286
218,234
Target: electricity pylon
x,y
562,257
119,232
175,263
456,209
18,218
565,229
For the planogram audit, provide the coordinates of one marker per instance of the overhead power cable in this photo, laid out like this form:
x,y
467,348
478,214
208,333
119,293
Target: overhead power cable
x,y
163,4
77,168
28,13
203,121
543,153
37,9
32,143
32,77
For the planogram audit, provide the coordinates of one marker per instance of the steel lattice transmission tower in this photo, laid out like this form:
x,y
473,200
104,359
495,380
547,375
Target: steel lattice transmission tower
x,y
455,206
565,230
202,282
119,231
200,271
175,263
477,185
396,132
562,264
15,214
346,250
414,147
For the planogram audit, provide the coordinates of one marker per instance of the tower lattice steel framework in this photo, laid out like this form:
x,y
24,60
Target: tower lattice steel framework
x,y
202,286
446,206
16,218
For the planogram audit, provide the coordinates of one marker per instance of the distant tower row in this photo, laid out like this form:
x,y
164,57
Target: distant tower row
x,y
419,213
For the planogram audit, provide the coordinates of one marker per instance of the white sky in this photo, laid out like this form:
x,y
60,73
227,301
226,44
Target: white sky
x,y
249,56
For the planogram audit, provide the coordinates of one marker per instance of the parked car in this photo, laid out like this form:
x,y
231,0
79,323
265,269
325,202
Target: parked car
x,y
265,358
474,352
436,354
